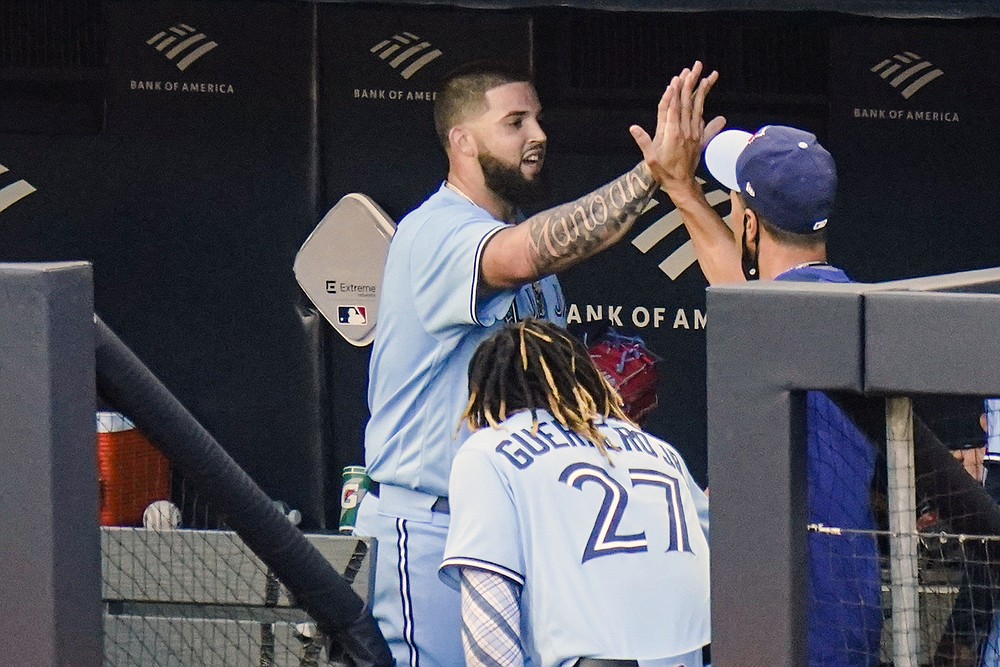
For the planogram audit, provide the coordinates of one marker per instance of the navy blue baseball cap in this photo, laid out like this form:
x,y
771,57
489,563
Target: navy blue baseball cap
x,y
783,173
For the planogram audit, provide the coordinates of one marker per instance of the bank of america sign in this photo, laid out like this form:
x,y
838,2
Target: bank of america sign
x,y
907,72
406,53
14,192
181,44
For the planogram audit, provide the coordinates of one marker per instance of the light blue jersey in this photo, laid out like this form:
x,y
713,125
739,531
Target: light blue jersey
x,y
432,318
430,323
613,560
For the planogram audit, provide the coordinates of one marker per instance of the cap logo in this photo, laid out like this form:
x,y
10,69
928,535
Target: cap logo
x,y
819,225
749,190
759,133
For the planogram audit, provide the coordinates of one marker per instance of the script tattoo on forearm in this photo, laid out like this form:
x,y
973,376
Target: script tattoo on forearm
x,y
582,227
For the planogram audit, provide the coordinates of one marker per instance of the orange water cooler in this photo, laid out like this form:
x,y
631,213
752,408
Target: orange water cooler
x,y
133,473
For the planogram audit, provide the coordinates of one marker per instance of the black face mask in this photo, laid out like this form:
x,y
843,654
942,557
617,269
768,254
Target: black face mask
x,y
751,267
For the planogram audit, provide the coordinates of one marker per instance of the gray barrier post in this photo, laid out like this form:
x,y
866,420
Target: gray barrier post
x,y
49,538
766,342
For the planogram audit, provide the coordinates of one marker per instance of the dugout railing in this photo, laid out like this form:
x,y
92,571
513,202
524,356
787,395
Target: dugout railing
x,y
769,343
202,597
159,591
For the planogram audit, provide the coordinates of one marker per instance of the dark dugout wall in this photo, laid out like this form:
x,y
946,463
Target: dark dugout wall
x,y
191,195
191,174
913,125
215,150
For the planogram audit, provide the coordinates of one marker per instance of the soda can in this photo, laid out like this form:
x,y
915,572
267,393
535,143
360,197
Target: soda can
x,y
356,484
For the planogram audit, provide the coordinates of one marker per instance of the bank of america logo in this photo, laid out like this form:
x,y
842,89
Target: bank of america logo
x,y
662,226
15,192
903,67
407,51
182,45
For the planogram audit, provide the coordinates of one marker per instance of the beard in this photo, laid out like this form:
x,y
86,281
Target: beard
x,y
508,183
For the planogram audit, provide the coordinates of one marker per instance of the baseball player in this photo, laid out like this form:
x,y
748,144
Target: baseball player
x,y
783,183
575,536
459,266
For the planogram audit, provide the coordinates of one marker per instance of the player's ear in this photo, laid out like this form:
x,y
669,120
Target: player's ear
x,y
750,222
463,141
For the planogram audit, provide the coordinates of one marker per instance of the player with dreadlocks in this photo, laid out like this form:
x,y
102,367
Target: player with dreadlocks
x,y
576,538
548,376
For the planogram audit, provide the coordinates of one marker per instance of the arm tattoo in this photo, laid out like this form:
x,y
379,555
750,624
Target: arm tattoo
x,y
580,228
491,619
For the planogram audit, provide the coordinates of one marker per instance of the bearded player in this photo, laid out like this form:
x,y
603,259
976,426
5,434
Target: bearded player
x,y
568,520
459,266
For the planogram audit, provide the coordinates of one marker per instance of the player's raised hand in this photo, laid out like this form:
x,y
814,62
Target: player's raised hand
x,y
699,128
674,151
651,147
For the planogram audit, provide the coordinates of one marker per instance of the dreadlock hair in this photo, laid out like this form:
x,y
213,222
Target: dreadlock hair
x,y
534,364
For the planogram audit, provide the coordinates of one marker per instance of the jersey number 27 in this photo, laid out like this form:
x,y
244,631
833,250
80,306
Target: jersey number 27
x,y
604,538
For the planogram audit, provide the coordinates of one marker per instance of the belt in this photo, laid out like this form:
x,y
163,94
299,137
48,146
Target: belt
x,y
706,658
440,505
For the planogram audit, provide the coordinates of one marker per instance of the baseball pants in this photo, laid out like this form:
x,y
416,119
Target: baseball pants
x,y
418,614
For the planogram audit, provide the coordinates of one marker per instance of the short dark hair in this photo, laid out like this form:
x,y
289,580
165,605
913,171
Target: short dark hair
x,y
462,92
534,365
785,237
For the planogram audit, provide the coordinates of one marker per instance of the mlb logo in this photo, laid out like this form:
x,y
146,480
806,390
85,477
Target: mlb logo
x,y
352,315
